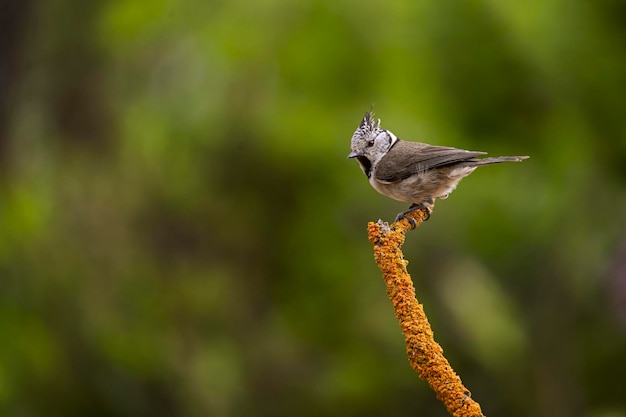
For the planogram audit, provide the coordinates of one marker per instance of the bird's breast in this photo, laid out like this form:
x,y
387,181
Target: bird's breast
x,y
404,190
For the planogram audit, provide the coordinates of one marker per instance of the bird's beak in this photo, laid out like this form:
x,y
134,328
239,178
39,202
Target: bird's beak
x,y
353,154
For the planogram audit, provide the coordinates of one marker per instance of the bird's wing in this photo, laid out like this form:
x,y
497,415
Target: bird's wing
x,y
408,158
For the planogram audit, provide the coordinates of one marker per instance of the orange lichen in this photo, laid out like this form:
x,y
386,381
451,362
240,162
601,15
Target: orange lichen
x,y
425,355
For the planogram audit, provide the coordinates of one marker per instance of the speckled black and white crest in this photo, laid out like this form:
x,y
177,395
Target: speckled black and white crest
x,y
368,127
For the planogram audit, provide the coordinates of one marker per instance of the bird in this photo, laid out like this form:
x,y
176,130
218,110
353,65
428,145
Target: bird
x,y
412,172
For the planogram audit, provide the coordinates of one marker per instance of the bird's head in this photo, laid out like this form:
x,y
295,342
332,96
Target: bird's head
x,y
370,142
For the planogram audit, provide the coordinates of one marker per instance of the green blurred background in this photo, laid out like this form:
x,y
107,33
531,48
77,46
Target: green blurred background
x,y
181,233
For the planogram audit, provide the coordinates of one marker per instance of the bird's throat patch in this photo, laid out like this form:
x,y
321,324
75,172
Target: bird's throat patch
x,y
366,165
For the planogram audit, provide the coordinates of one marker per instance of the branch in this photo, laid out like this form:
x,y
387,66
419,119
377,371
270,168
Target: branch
x,y
425,355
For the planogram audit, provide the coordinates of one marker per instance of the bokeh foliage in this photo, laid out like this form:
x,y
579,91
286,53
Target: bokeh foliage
x,y
181,234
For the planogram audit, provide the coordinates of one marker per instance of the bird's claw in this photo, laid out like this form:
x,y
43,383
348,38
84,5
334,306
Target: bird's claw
x,y
411,220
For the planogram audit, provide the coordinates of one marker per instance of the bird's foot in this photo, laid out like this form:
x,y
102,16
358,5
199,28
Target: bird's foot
x,y
403,215
412,208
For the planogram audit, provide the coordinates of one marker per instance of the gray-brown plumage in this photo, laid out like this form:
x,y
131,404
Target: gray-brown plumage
x,y
411,171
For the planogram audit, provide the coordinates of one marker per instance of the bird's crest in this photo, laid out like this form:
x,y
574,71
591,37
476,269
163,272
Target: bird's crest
x,y
368,125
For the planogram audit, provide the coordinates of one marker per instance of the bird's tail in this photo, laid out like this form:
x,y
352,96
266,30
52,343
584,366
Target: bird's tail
x,y
496,160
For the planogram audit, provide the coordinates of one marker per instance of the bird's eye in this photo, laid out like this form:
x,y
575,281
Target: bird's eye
x,y
370,143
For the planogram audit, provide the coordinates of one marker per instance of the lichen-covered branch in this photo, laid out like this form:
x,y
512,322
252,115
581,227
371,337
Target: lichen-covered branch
x,y
425,355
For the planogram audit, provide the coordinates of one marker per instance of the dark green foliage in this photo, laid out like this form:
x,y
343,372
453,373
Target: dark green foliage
x,y
181,233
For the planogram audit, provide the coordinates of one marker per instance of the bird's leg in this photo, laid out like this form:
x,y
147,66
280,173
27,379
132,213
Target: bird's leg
x,y
425,205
